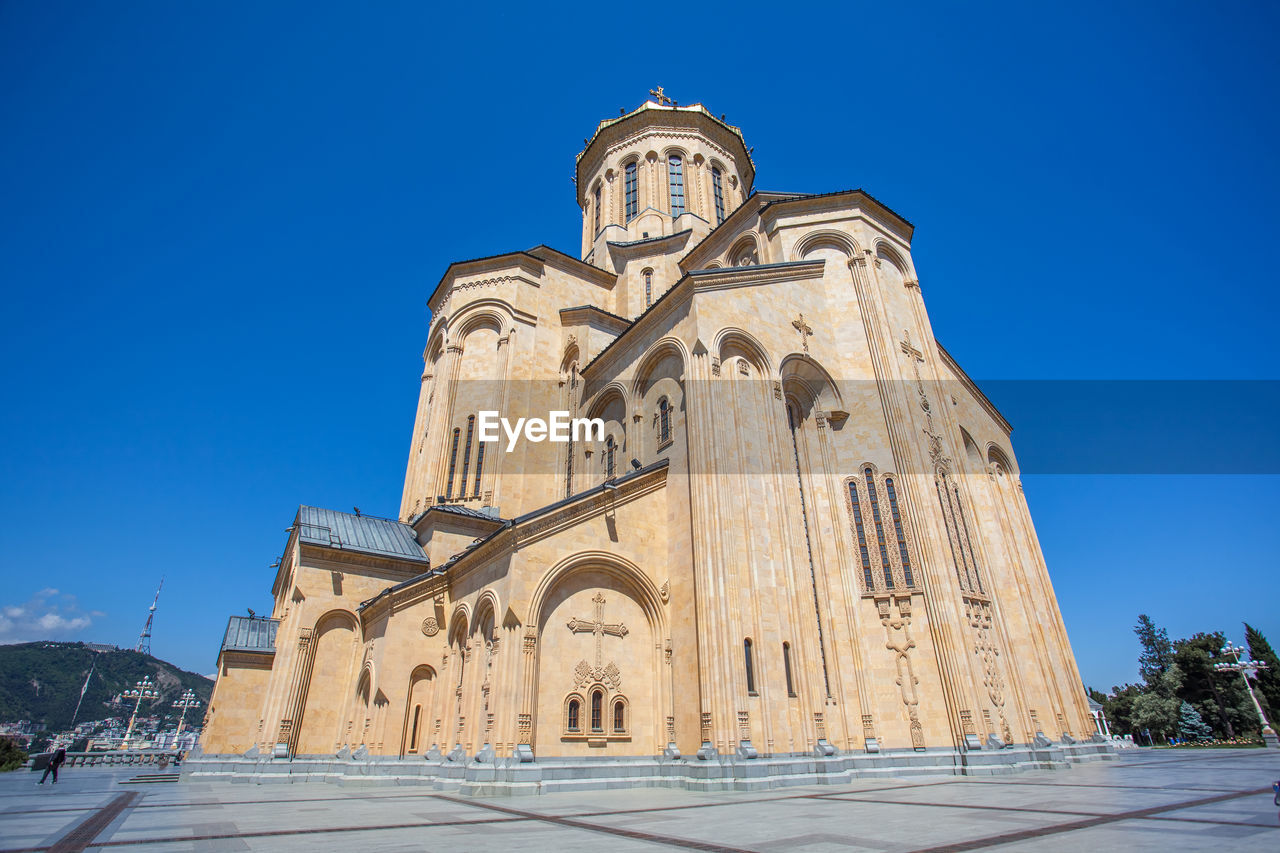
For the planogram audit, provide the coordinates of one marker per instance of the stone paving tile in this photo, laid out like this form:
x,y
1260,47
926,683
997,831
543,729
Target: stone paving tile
x,y
1133,804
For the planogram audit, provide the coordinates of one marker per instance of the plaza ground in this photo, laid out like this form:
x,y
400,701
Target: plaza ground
x,y
1146,800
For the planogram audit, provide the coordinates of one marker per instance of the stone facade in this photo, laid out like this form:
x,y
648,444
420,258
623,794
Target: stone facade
x,y
803,529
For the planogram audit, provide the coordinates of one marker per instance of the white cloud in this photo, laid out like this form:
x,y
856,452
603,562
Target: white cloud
x,y
43,618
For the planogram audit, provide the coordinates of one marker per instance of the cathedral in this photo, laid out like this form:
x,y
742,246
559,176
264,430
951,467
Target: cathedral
x,y
791,529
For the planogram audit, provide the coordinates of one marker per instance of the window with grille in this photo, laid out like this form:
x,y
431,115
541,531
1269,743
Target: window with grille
x,y
675,178
717,187
632,190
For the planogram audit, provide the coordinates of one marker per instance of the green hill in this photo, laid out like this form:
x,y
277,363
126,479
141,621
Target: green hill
x,y
41,682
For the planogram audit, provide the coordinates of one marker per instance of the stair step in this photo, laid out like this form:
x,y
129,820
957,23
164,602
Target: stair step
x,y
151,778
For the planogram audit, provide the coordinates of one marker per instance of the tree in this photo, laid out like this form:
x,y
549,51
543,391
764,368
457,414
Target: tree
x,y
1190,726
11,757
1212,695
1157,651
1157,709
1268,680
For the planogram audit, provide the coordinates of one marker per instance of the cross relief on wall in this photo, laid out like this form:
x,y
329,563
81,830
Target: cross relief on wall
x,y
584,673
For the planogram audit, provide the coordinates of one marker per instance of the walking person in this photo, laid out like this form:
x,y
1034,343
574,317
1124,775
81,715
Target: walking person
x,y
56,760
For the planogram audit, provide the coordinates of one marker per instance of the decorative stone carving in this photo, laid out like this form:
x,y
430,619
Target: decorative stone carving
x,y
430,626
804,330
584,673
899,641
665,591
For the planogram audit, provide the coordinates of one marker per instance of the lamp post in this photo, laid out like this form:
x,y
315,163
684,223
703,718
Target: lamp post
x,y
185,701
144,689
1248,669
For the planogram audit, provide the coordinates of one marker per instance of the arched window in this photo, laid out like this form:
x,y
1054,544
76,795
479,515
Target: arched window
x,y
751,669
479,467
632,189
899,530
597,206
573,720
875,518
664,420
862,536
648,288
597,711
786,665
413,732
453,463
717,185
610,458
619,716
675,179
466,456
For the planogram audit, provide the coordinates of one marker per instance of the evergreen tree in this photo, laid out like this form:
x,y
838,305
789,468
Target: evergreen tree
x,y
1157,651
1190,725
1268,681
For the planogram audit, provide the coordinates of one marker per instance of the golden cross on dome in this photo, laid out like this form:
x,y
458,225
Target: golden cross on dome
x,y
661,98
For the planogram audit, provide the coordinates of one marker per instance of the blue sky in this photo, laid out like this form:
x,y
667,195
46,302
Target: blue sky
x,y
219,224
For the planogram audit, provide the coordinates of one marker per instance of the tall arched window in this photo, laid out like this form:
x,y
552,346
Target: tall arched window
x,y
675,179
610,458
619,716
632,190
786,665
862,536
573,721
597,206
466,456
664,420
875,519
648,288
899,530
597,711
453,463
751,669
479,467
717,186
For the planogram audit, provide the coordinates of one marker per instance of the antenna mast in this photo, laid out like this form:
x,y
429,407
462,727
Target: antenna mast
x,y
144,639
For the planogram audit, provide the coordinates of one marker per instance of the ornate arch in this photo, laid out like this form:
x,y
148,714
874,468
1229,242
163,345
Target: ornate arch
x,y
826,238
740,244
800,371
618,567
731,336
655,353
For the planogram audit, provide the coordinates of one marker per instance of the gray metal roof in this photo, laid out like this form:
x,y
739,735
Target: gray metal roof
x,y
250,634
488,513
366,533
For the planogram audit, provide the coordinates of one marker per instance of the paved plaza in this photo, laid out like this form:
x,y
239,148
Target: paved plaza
x,y
1147,800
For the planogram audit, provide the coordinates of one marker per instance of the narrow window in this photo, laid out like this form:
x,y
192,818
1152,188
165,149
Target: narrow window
x,y
619,716
875,518
466,456
648,288
751,670
479,466
901,532
718,187
574,708
597,710
632,191
862,536
568,471
950,523
453,464
610,458
786,665
675,178
413,732
664,420
597,205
